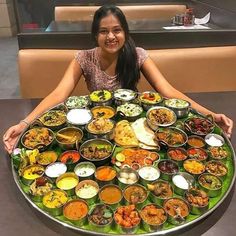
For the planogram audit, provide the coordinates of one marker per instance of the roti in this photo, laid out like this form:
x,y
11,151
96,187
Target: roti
x,y
143,133
124,135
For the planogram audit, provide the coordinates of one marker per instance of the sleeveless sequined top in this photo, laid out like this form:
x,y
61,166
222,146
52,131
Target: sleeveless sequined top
x,y
95,77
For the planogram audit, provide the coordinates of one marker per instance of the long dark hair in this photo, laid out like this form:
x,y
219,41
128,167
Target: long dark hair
x,y
127,68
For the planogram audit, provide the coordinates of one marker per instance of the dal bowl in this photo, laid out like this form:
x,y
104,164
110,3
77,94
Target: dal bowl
x,y
101,98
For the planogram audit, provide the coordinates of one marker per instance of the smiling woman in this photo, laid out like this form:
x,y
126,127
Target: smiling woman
x,y
115,63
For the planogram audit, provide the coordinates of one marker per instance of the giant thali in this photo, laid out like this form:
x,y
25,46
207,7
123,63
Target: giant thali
x,y
182,164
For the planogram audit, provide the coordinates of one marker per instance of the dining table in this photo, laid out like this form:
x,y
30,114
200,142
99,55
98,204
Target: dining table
x,y
18,217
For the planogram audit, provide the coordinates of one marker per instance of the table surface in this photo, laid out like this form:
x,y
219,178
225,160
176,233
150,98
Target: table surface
x,y
17,216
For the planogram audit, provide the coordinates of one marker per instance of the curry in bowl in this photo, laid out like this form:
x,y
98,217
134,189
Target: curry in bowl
x,y
53,119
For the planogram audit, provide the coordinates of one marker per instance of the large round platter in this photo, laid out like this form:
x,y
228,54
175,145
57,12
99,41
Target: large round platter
x,y
114,149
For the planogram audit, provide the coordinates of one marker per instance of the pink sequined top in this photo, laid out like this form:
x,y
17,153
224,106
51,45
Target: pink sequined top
x,y
95,78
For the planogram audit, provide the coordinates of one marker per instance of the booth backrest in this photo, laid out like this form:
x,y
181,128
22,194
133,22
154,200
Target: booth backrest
x,y
78,13
207,69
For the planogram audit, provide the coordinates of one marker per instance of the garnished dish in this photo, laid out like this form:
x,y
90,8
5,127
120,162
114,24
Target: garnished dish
x,y
150,97
135,194
198,200
124,95
177,210
172,137
130,111
197,153
160,116
105,112
37,138
133,179
218,153
154,216
77,102
199,126
101,97
53,119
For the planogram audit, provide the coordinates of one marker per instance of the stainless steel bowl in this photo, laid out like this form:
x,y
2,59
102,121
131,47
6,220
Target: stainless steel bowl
x,y
167,168
217,165
148,174
105,228
122,96
204,178
214,140
154,125
110,180
124,111
182,181
57,208
79,221
104,135
180,160
96,143
147,105
102,101
70,190
90,199
181,111
87,173
127,176
63,140
177,219
151,227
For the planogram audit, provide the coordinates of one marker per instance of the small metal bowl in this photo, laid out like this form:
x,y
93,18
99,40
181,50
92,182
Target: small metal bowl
x,y
145,99
74,207
30,173
70,158
181,110
100,208
167,169
196,141
166,137
68,177
215,168
53,119
66,141
122,96
197,209
74,102
214,140
192,165
206,178
85,170
132,190
176,219
103,111
218,154
199,154
124,229
150,226
55,169
79,117
155,124
160,190
33,134
148,174
104,98
100,134
52,197
125,111
108,178
179,155
96,143
183,178
89,195
106,195
127,176
47,157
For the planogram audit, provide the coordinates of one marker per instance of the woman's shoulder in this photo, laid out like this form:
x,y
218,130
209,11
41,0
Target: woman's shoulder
x,y
88,54
141,51
142,55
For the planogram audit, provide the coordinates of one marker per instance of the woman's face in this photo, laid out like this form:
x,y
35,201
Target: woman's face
x,y
111,36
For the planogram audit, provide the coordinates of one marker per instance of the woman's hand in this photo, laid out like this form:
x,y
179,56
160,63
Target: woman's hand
x,y
225,123
11,135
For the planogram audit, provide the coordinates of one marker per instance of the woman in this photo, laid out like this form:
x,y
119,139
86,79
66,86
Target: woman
x,y
115,63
